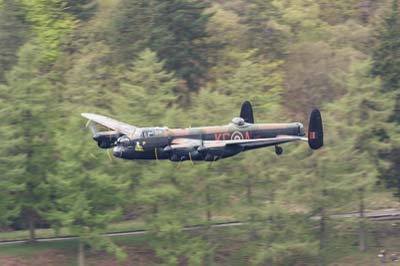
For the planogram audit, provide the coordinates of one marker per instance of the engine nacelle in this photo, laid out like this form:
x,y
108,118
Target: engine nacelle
x,y
107,139
184,155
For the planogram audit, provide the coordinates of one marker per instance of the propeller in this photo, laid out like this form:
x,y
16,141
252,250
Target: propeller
x,y
190,157
91,126
109,155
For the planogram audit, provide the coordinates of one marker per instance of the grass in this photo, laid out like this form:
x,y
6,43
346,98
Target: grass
x,y
28,250
231,248
125,226
49,233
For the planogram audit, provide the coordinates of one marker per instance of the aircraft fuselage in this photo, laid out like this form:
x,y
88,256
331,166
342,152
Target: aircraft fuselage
x,y
163,143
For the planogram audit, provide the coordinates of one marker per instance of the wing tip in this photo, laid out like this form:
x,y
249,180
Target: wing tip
x,y
87,115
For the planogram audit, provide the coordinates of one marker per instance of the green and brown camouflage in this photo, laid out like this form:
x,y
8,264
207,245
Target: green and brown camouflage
x,y
208,143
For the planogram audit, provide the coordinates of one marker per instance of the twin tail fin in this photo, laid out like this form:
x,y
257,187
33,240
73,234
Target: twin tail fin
x,y
315,130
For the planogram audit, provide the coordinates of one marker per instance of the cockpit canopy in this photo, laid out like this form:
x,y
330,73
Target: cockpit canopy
x,y
153,132
238,121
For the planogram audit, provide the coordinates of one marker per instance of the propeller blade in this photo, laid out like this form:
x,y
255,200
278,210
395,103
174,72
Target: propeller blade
x,y
91,125
109,154
190,157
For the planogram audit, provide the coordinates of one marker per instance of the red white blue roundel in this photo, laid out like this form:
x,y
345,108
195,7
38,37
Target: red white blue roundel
x,y
237,135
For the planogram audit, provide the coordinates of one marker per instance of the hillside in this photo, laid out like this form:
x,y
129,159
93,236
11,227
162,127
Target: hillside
x,y
188,63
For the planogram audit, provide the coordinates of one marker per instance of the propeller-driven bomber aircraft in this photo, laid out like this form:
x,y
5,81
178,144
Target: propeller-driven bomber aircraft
x,y
201,143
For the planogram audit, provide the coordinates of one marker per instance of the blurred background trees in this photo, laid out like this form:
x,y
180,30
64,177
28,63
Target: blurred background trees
x,y
189,63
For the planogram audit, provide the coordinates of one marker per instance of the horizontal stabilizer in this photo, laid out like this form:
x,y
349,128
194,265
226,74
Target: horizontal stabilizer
x,y
315,130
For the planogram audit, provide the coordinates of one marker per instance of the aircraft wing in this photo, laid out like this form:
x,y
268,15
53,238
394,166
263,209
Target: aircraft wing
x,y
248,144
112,124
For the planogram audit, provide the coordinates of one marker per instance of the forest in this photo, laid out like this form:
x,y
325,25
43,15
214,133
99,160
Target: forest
x,y
187,63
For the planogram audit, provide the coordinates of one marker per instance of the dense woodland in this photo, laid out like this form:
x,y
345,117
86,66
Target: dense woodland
x,y
182,63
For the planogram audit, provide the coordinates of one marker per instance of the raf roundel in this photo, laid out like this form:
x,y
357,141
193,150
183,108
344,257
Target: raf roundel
x,y
236,135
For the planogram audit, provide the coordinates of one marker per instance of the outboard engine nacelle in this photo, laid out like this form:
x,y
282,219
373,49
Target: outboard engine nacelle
x,y
107,139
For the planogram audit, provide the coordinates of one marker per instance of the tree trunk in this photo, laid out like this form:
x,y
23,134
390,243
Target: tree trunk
x,y
249,191
249,195
209,259
81,253
155,210
32,233
361,230
209,202
322,236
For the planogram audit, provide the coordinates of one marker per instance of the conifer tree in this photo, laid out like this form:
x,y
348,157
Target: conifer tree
x,y
386,65
13,32
28,99
175,30
88,197
265,32
149,89
82,9
386,55
50,25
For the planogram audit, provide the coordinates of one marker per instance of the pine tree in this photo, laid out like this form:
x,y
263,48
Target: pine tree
x,y
11,165
175,30
82,9
150,90
50,25
28,98
386,55
265,32
13,32
386,65
88,196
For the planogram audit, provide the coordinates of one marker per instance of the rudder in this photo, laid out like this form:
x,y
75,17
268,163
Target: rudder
x,y
246,112
315,130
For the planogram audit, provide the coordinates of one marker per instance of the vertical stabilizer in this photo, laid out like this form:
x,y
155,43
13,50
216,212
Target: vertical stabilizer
x,y
315,130
247,112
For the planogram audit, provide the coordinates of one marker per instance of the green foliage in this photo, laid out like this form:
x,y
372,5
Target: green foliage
x,y
88,198
149,88
12,34
386,55
30,156
312,67
175,30
82,9
386,65
265,31
186,63
49,24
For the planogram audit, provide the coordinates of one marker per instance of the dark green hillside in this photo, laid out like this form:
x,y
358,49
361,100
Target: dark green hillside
x,y
187,63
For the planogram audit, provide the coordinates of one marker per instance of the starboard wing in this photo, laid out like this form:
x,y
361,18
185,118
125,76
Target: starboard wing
x,y
110,123
248,144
